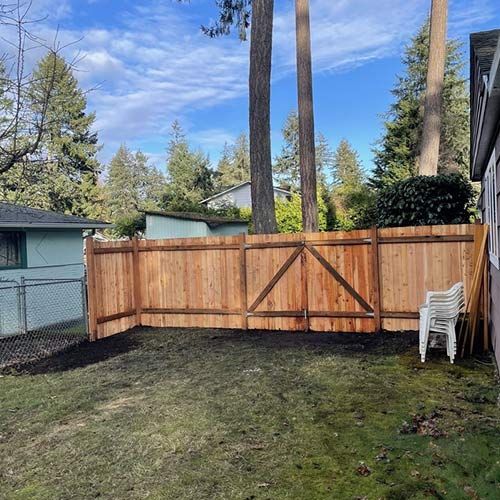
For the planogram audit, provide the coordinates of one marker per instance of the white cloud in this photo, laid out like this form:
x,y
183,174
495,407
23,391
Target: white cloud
x,y
153,65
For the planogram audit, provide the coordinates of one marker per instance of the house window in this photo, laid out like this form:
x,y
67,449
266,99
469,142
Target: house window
x,y
12,250
490,205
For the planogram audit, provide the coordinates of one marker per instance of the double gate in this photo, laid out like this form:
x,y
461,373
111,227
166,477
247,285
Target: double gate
x,y
359,281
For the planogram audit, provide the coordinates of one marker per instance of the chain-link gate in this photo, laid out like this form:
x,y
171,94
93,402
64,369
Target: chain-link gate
x,y
39,317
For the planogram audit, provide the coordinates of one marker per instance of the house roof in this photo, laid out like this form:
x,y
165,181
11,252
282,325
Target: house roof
x,y
485,98
211,220
486,45
232,188
19,216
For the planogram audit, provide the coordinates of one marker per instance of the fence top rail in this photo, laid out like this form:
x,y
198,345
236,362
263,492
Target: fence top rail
x,y
413,234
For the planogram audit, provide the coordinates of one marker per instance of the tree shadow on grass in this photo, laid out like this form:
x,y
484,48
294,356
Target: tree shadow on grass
x,y
90,353
348,343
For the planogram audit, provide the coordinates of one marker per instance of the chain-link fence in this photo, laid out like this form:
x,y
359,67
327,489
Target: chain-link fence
x,y
39,317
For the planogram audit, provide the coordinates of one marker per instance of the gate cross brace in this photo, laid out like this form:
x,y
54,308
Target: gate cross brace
x,y
283,269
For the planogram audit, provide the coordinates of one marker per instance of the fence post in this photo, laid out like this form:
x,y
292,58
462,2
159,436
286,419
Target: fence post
x,y
243,286
376,279
84,302
137,282
91,288
24,312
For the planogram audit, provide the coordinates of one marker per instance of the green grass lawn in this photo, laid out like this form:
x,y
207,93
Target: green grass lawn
x,y
201,414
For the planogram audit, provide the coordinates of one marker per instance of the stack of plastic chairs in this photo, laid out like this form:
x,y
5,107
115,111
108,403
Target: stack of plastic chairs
x,y
438,319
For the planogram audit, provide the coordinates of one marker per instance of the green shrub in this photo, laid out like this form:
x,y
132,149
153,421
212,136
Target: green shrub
x,y
130,225
426,200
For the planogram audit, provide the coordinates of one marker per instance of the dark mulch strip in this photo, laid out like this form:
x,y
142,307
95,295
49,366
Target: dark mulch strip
x,y
89,353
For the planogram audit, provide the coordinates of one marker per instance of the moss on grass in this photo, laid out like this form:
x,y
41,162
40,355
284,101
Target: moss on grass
x,y
230,415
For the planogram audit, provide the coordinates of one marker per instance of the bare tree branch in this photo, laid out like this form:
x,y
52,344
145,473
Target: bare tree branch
x,y
23,113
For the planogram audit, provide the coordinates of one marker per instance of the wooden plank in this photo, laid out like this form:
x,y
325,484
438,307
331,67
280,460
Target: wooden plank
x,y
162,310
187,248
340,242
339,278
243,282
276,278
112,317
292,244
274,244
375,265
426,239
91,287
400,314
340,314
103,250
276,314
303,279
136,274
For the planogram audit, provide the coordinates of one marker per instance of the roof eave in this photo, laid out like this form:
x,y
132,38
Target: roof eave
x,y
489,133
210,198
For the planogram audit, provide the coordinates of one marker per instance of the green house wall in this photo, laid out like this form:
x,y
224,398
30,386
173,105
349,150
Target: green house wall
x,y
49,254
160,227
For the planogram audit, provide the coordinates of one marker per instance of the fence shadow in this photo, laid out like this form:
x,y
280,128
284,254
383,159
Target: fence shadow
x,y
79,356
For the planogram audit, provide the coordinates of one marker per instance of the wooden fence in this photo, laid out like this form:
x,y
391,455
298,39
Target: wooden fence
x,y
358,281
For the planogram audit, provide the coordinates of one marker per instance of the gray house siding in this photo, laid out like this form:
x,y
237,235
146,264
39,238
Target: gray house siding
x,y
494,271
485,154
240,197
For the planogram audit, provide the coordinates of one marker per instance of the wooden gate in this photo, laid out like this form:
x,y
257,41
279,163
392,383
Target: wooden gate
x,y
319,284
358,281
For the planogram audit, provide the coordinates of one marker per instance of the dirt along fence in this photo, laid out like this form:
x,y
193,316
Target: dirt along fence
x,y
358,281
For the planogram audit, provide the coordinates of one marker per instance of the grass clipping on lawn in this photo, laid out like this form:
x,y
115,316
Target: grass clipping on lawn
x,y
230,415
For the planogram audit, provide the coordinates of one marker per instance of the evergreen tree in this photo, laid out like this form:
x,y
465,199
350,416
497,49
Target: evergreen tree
x,y
287,164
352,198
132,185
122,185
189,174
234,164
66,161
397,153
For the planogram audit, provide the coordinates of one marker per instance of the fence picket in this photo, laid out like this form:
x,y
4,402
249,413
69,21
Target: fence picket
x,y
363,281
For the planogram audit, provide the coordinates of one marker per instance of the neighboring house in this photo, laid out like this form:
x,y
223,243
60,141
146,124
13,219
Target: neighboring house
x,y
239,196
38,245
165,225
485,153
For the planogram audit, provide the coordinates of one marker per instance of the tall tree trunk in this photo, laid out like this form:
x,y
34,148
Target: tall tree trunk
x,y
307,148
263,210
431,134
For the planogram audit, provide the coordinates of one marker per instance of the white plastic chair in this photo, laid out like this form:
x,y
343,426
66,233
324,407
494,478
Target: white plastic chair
x,y
439,316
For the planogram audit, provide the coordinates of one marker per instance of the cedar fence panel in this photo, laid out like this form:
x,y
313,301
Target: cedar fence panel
x,y
357,281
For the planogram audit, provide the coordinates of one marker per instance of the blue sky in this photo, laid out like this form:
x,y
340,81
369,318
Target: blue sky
x,y
148,64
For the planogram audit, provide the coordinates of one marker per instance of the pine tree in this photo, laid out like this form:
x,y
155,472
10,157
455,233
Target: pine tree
x,y
189,174
397,153
433,104
287,164
234,164
59,179
307,138
132,184
122,185
352,198
237,13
